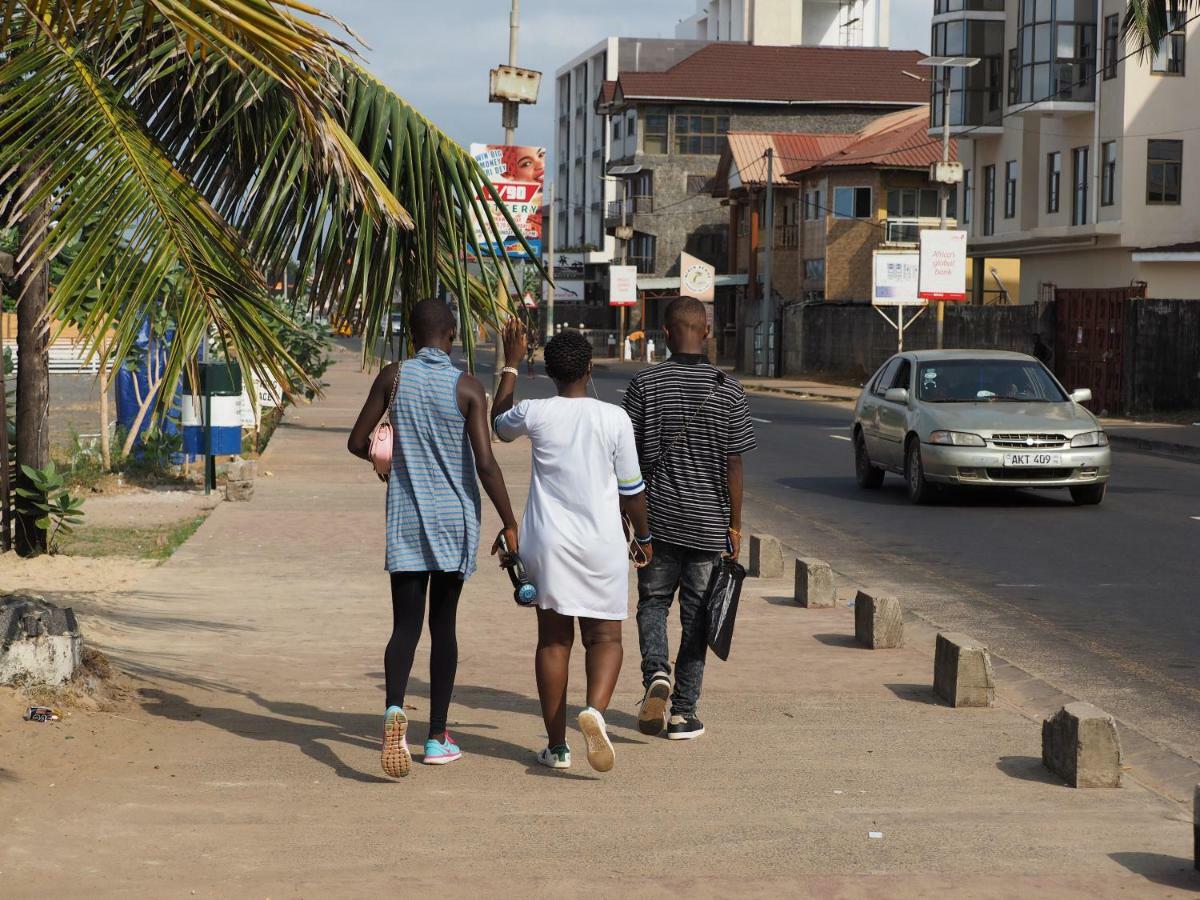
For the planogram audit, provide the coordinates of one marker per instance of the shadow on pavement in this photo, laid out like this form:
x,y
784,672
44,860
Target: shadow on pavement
x,y
1028,768
839,640
1171,871
893,494
311,739
915,693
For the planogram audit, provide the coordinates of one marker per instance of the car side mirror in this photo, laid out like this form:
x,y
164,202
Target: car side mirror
x,y
896,395
1082,395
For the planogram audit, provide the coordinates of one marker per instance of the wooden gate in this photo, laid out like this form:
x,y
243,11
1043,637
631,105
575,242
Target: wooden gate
x,y
1089,349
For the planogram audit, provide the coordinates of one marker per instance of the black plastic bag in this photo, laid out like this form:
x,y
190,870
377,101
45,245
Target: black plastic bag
x,y
721,604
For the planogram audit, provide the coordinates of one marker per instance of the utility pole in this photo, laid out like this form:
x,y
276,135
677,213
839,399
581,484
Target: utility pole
x,y
509,112
550,264
768,301
624,256
943,194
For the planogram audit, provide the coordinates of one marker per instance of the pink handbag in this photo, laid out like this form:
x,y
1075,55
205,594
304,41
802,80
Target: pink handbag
x,y
382,437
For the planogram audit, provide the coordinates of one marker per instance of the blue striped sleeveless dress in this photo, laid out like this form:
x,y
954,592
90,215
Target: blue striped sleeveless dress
x,y
433,497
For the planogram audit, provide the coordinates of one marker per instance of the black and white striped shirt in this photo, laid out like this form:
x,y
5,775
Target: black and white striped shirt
x,y
687,487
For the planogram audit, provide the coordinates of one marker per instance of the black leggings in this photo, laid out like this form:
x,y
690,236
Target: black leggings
x,y
408,614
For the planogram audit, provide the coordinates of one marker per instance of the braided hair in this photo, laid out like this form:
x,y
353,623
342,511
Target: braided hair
x,y
568,355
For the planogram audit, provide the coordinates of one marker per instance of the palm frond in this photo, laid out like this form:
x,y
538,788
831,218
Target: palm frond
x,y
71,141
1147,22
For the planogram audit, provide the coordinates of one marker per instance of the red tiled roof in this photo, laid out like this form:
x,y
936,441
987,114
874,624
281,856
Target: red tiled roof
x,y
729,72
608,91
900,141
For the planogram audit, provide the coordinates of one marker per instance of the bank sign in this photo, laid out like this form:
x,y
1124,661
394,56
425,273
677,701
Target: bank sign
x,y
517,173
943,265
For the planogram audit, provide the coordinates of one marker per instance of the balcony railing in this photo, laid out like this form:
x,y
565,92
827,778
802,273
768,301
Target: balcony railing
x,y
633,206
908,230
789,236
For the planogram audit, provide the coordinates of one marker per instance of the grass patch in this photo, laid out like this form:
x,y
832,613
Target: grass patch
x,y
154,543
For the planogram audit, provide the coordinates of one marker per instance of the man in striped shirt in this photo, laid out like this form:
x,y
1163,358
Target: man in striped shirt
x,y
692,425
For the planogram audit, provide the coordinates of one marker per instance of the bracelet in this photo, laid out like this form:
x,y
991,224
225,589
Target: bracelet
x,y
644,540
510,370
735,532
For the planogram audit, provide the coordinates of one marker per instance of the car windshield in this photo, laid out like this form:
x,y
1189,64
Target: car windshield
x,y
986,381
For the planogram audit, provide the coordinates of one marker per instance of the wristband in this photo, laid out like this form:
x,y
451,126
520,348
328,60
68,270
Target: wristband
x,y
644,540
510,370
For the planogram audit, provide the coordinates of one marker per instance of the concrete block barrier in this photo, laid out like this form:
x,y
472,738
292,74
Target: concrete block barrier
x,y
242,470
878,621
962,671
766,557
1080,744
814,584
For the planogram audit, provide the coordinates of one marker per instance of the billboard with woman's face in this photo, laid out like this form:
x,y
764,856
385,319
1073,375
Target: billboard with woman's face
x,y
518,174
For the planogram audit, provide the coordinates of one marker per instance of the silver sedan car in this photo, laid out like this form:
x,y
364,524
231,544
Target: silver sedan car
x,y
979,418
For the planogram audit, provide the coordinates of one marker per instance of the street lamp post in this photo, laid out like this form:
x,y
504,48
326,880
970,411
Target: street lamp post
x,y
946,176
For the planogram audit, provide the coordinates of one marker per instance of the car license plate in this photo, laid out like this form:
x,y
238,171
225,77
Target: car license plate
x,y
1032,460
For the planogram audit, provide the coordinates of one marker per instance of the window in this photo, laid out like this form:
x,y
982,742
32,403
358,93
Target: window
x,y
852,202
989,200
903,377
1079,182
813,210
631,124
1108,174
642,252
1056,51
977,93
654,136
1014,77
1164,172
709,245
1168,55
1053,181
1112,45
699,184
700,134
884,379
814,269
968,197
617,123
1010,189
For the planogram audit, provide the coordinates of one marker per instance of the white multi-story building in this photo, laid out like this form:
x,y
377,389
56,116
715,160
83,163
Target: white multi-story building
x,y
1080,162
783,23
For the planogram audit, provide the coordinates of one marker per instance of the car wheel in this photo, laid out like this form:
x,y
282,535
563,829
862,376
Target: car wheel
x,y
867,475
919,490
1088,494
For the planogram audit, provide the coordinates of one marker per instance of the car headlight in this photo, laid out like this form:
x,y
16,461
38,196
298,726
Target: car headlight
x,y
957,439
1090,439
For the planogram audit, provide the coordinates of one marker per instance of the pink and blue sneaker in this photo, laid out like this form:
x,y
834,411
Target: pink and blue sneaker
x,y
438,753
396,759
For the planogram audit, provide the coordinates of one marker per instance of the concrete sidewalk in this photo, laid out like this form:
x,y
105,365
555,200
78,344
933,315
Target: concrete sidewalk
x,y
249,765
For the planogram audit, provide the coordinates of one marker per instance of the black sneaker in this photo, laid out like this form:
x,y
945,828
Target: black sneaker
x,y
653,713
684,728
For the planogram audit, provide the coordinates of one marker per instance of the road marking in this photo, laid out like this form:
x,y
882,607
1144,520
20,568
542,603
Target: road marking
x,y
620,390
764,421
839,437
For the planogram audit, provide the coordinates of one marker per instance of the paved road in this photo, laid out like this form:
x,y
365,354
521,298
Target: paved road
x,y
1102,602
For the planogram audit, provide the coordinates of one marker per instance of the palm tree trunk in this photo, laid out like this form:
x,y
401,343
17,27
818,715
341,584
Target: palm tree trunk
x,y
33,372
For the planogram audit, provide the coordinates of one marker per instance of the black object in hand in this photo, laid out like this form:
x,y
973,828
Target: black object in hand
x,y
524,591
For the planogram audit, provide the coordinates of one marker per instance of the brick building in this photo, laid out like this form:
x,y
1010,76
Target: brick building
x,y
838,197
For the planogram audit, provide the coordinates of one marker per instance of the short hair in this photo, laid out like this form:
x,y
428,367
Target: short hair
x,y
684,313
568,355
431,319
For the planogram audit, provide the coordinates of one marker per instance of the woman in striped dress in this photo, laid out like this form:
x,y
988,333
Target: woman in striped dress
x,y
441,441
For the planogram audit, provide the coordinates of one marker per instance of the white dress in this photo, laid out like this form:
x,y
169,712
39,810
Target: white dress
x,y
572,543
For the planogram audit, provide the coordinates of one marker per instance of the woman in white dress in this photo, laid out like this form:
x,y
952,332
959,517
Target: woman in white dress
x,y
573,545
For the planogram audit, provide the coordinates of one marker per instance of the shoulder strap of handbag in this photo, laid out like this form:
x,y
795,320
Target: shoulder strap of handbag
x,y
679,435
395,388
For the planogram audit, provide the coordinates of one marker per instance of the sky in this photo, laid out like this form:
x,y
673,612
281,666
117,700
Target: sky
x,y
437,55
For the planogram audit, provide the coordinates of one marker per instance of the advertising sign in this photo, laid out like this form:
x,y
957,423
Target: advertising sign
x,y
895,277
517,174
622,286
565,290
943,265
696,278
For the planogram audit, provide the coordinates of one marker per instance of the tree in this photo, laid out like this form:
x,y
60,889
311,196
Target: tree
x,y
220,139
1148,21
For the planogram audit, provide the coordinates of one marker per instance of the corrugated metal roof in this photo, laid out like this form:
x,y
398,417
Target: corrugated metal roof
x,y
727,71
748,150
900,140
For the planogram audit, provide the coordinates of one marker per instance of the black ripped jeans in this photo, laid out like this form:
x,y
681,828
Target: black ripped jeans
x,y
408,615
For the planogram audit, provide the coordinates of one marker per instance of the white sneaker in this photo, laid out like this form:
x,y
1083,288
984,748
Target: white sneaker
x,y
600,753
555,757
